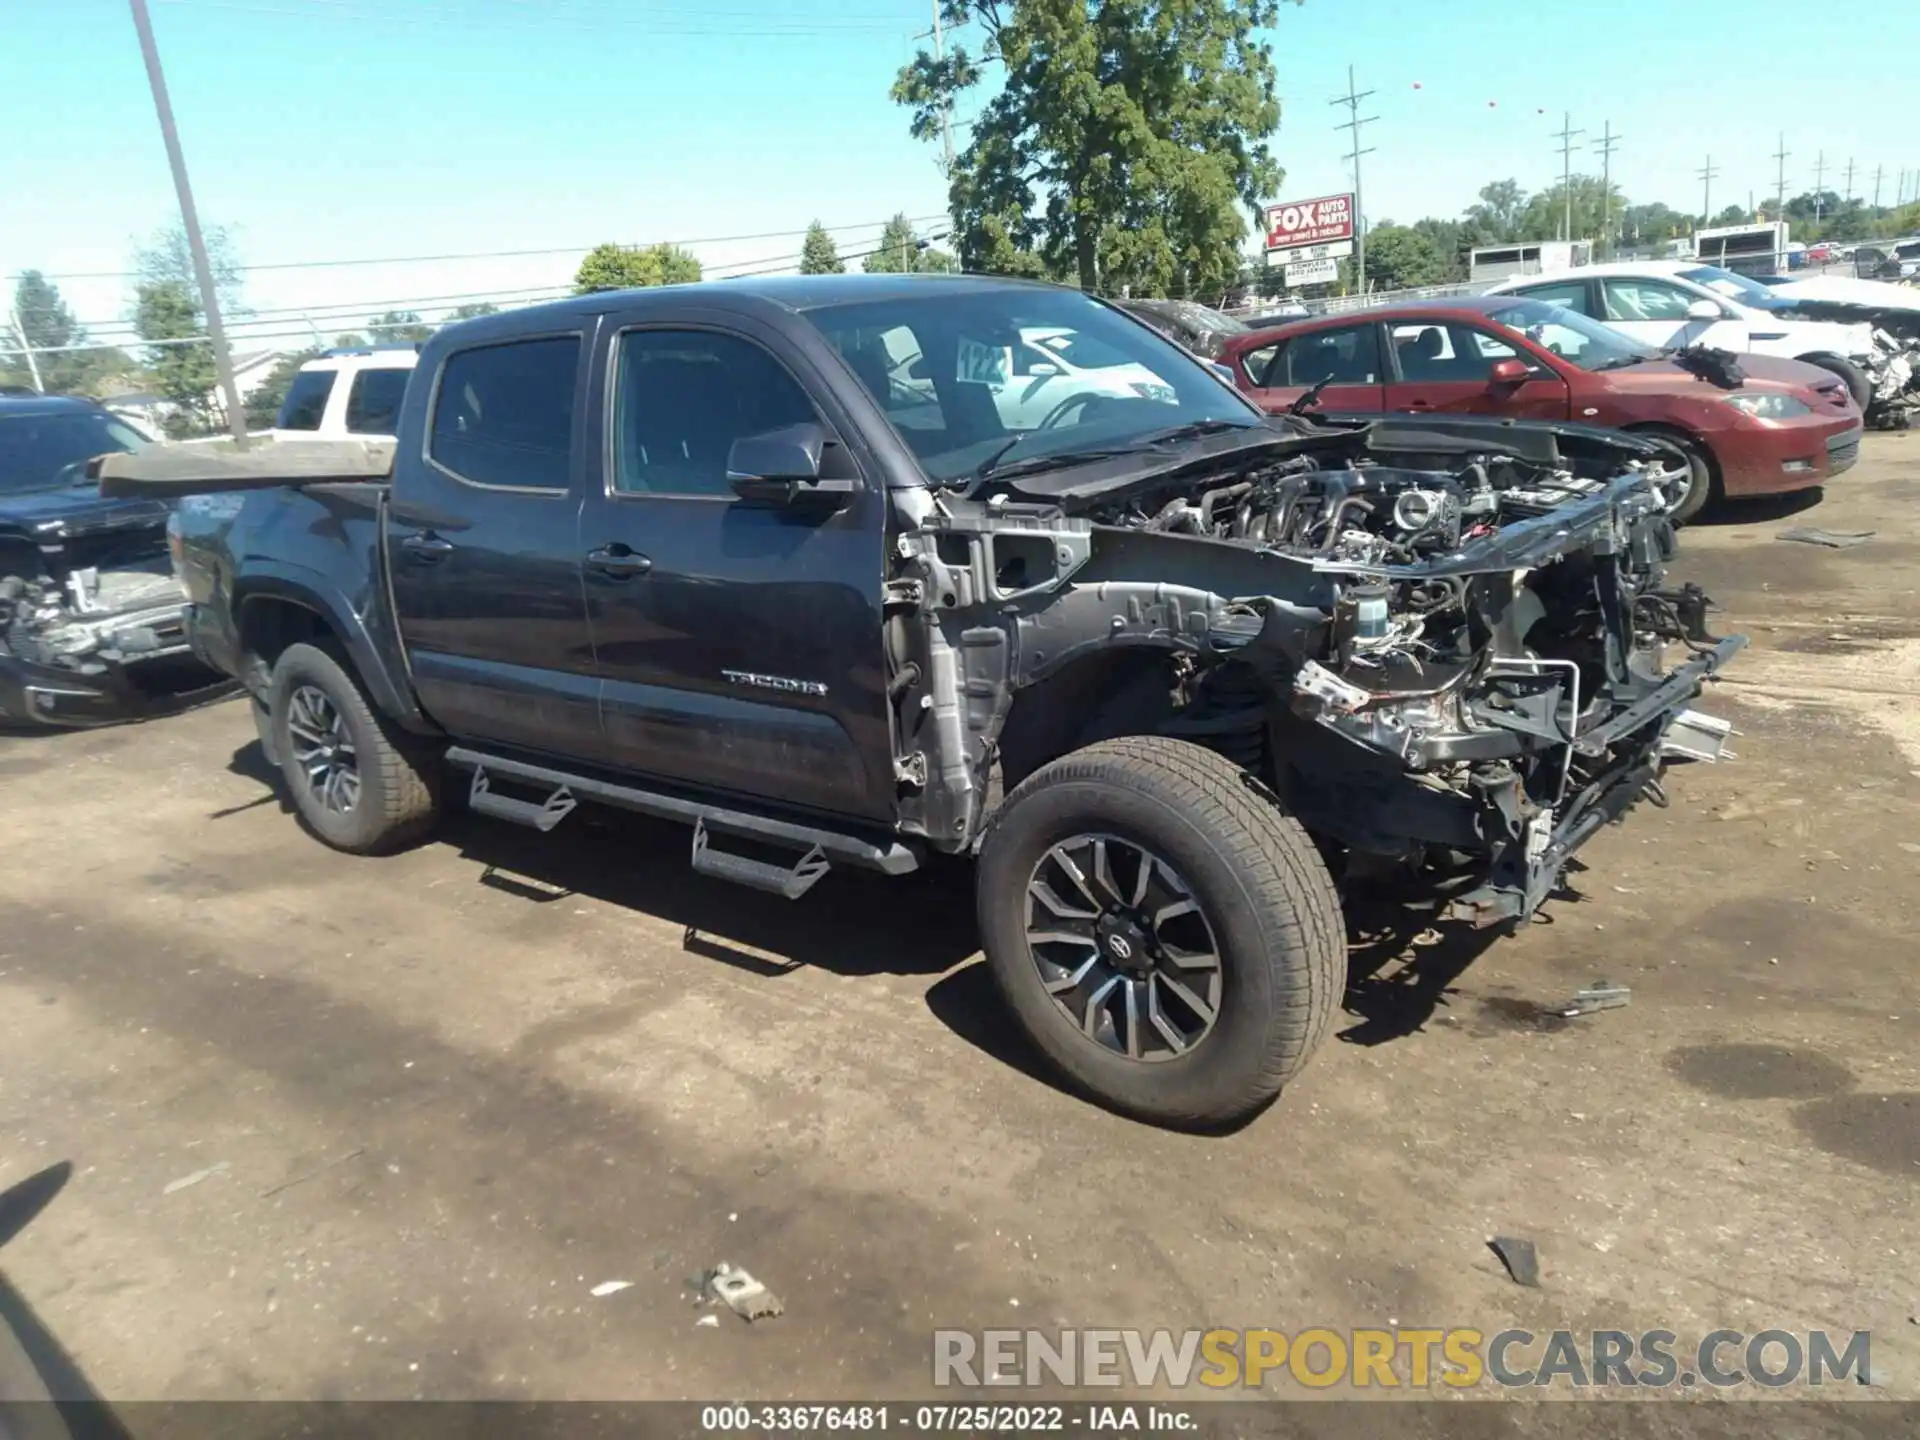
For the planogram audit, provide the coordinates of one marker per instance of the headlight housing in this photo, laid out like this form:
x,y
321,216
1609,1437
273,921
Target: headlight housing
x,y
1765,405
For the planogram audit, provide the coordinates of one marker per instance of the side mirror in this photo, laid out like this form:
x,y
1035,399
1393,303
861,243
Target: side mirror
x,y
783,467
1704,309
1508,372
1043,367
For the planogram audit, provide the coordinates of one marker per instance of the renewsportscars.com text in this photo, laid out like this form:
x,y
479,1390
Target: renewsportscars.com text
x,y
1320,1358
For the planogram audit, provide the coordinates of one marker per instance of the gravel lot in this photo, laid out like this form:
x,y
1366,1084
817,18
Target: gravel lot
x,y
428,1103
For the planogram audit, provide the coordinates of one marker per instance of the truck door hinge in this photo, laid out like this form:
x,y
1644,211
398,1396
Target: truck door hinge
x,y
908,593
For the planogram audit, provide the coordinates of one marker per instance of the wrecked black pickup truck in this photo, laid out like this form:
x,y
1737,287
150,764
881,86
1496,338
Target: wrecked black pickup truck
x,y
830,570
91,627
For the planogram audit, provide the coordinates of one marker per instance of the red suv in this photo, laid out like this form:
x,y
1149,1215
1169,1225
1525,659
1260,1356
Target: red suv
x,y
1785,426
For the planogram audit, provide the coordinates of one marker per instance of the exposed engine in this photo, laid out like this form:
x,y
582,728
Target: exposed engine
x,y
94,619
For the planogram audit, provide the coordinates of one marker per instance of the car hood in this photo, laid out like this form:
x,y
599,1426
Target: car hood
x,y
78,510
1839,290
1664,376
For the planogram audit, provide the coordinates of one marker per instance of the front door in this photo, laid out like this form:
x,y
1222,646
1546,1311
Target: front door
x,y
1344,361
739,644
1447,366
484,548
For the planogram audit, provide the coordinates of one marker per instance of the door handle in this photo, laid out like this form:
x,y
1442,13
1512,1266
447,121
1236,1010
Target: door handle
x,y
1419,405
427,547
619,562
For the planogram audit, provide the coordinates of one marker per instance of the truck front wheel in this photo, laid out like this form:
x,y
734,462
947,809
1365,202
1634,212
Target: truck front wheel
x,y
357,782
1162,929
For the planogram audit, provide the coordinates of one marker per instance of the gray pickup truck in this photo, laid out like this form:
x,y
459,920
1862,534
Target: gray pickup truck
x,y
836,571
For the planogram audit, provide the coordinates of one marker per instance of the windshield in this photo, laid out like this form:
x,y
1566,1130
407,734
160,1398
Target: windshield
x,y
1732,285
1571,335
956,373
39,451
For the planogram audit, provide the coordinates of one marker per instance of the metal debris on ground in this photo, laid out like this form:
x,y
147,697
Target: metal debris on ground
x,y
219,1168
610,1287
1520,1258
745,1296
1598,996
707,1320
1832,539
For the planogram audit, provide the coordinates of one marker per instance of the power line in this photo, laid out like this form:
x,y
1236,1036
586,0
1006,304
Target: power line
x,y
489,254
1352,124
1879,171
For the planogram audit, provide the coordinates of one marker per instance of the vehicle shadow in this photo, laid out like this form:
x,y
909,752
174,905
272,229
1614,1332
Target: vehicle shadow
x,y
1761,509
1402,962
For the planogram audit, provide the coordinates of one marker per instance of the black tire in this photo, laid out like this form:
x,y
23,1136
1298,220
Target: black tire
x,y
1257,880
1699,464
1855,379
263,727
397,800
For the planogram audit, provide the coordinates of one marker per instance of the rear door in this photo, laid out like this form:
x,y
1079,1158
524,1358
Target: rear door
x,y
1347,357
1447,366
484,547
739,644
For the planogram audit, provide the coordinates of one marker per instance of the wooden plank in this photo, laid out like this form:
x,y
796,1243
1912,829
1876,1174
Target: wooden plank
x,y
160,472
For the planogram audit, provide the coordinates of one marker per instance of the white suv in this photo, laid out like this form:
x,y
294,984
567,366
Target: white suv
x,y
1656,303
347,393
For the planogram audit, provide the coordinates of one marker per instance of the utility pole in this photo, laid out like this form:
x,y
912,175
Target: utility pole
x,y
946,104
1707,172
1849,195
26,349
190,219
1879,171
1353,123
1819,174
1780,187
1565,137
1605,145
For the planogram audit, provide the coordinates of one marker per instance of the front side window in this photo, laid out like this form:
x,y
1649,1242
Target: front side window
x,y
504,414
306,403
681,399
46,450
1643,300
373,404
1574,338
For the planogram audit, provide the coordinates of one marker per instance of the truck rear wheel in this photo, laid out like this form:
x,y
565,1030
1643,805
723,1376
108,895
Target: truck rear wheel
x,y
1162,929
356,780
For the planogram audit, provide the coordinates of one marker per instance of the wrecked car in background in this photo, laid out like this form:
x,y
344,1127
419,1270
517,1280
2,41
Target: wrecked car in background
x,y
91,616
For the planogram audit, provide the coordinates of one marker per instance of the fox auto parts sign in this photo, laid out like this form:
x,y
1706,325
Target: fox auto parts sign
x,y
1309,222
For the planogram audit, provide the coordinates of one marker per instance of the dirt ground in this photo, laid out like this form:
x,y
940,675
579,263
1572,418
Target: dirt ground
x,y
375,1128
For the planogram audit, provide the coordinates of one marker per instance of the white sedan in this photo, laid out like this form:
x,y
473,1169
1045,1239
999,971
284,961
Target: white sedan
x,y
1672,304
1051,368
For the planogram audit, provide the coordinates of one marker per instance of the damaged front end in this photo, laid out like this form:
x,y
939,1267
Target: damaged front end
x,y
1894,373
1444,644
92,625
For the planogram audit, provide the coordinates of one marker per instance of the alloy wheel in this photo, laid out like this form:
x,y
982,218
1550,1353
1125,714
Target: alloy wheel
x,y
1123,947
323,749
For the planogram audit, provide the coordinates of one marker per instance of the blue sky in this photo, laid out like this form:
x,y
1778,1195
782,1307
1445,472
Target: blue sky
x,y
361,129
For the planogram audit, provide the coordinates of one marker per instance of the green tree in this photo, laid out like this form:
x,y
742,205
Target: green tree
x,y
1732,215
622,267
351,340
1499,211
166,259
179,356
474,311
1123,140
393,326
899,249
1399,257
48,326
1652,223
264,400
818,254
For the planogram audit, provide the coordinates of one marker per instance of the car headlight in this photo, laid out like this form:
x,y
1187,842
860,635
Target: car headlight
x,y
1769,406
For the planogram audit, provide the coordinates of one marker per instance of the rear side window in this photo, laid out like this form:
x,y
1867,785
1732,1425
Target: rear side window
x,y
306,402
1572,294
504,414
373,404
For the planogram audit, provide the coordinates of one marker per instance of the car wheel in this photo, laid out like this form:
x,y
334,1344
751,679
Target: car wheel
x,y
360,784
1699,472
1855,379
263,727
1166,934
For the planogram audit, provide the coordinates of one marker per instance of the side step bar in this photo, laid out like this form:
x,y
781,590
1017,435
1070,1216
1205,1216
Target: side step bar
x,y
820,847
